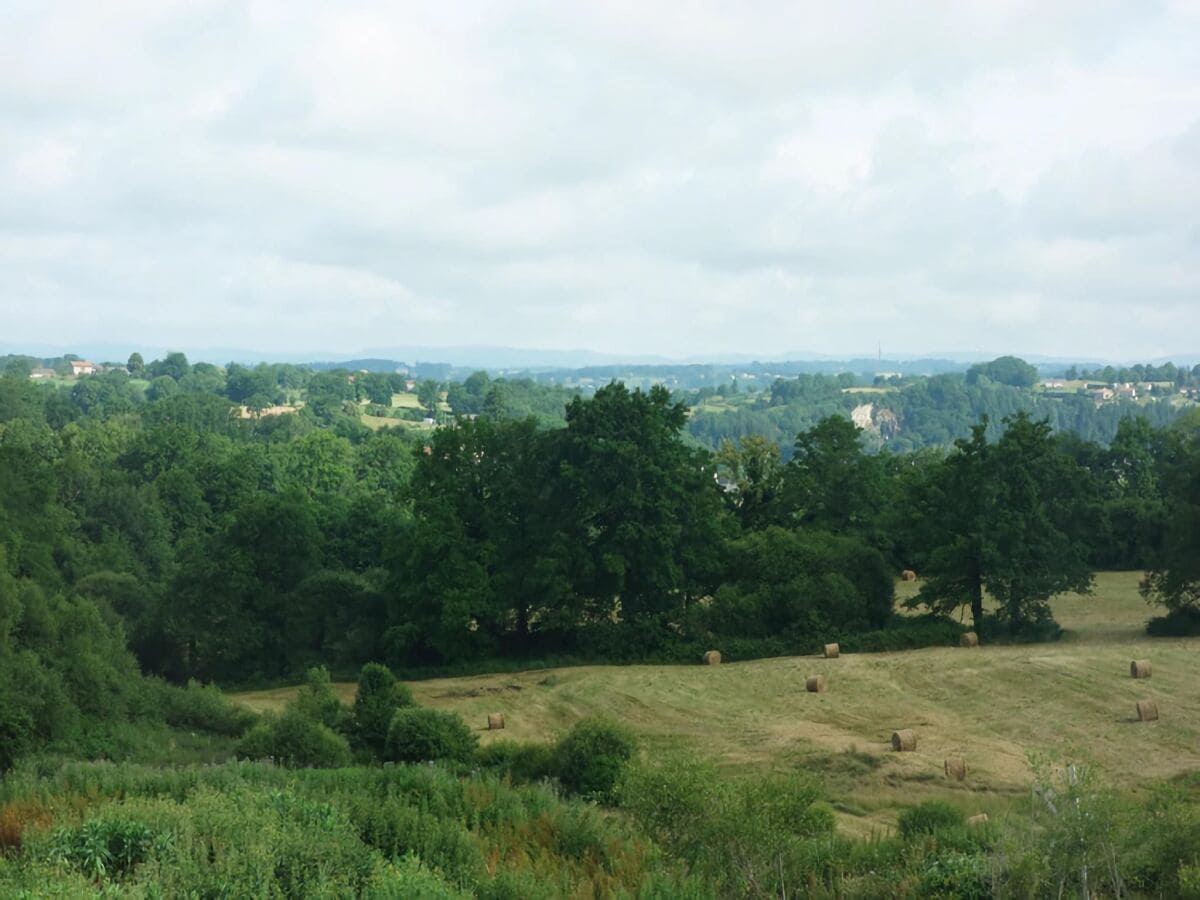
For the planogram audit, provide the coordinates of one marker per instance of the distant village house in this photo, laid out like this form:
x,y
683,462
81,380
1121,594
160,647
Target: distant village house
x,y
83,367
42,373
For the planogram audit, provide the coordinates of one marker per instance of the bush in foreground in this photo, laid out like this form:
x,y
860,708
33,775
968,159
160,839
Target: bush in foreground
x,y
296,741
317,701
772,833
421,735
379,696
248,830
200,707
592,756
521,762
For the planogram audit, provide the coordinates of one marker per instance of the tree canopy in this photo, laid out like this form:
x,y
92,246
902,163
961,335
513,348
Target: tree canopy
x,y
1010,370
1006,517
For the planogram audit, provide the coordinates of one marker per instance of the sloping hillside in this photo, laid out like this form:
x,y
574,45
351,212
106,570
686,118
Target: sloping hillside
x,y
993,706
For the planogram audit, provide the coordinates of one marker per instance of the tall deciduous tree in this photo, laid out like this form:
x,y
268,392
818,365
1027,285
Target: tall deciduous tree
x,y
173,364
1009,370
644,511
1175,579
754,479
427,394
1005,518
832,484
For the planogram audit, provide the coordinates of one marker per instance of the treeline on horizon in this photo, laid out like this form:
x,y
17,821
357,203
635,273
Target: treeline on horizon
x,y
910,411
934,411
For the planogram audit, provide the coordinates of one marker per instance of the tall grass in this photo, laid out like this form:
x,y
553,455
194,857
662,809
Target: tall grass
x,y
253,829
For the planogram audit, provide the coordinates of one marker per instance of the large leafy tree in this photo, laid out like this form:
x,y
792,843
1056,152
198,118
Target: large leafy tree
x,y
234,591
831,483
1009,370
427,395
753,475
1134,495
800,583
1004,517
482,560
255,387
643,509
468,397
173,364
1174,581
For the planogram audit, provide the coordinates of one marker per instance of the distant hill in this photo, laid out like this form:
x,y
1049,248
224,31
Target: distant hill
x,y
359,365
512,360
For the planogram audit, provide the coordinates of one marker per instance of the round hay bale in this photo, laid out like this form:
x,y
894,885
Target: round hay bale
x,y
908,575
904,740
495,721
969,639
832,651
815,684
712,658
956,768
977,820
1147,711
1140,668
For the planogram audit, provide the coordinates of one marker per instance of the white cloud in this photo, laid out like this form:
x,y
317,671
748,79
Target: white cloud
x,y
682,179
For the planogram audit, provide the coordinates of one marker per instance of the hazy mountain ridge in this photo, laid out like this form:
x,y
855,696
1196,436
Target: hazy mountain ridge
x,y
501,358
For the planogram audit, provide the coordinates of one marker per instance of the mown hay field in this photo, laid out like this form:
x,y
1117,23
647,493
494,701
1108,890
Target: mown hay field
x,y
991,706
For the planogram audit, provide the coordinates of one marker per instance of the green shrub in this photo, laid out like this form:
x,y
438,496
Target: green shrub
x,y
591,757
317,701
1162,849
200,707
38,708
252,830
256,831
801,583
1181,622
378,697
1039,628
1189,882
929,817
904,633
956,876
772,830
410,877
16,729
294,740
397,828
102,848
522,762
419,735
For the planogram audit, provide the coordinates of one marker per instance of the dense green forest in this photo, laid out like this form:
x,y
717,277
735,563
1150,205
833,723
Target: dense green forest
x,y
156,532
907,412
241,547
917,413
899,412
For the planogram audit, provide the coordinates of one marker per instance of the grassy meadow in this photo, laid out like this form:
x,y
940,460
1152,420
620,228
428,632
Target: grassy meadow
x,y
406,400
1072,700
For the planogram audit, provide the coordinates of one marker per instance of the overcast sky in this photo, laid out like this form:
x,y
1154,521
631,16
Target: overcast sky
x,y
630,177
